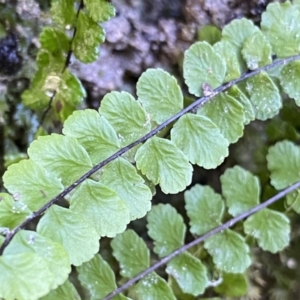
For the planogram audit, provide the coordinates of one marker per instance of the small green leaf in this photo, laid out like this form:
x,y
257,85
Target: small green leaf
x,y
65,291
63,12
281,26
62,156
233,285
254,55
166,228
52,253
50,66
30,183
204,207
18,276
131,252
44,83
210,34
70,93
72,231
227,113
54,40
202,65
289,79
204,145
35,99
162,162
87,39
99,10
270,228
189,272
241,190
129,186
238,95
98,278
12,212
126,116
293,200
284,164
101,207
70,89
229,251
226,50
94,133
264,96
159,94
237,31
152,287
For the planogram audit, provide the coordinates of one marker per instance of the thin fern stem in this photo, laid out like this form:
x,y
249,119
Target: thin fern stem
x,y
192,107
202,238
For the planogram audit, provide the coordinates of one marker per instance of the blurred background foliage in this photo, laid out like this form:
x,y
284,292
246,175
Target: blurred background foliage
x,y
149,34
